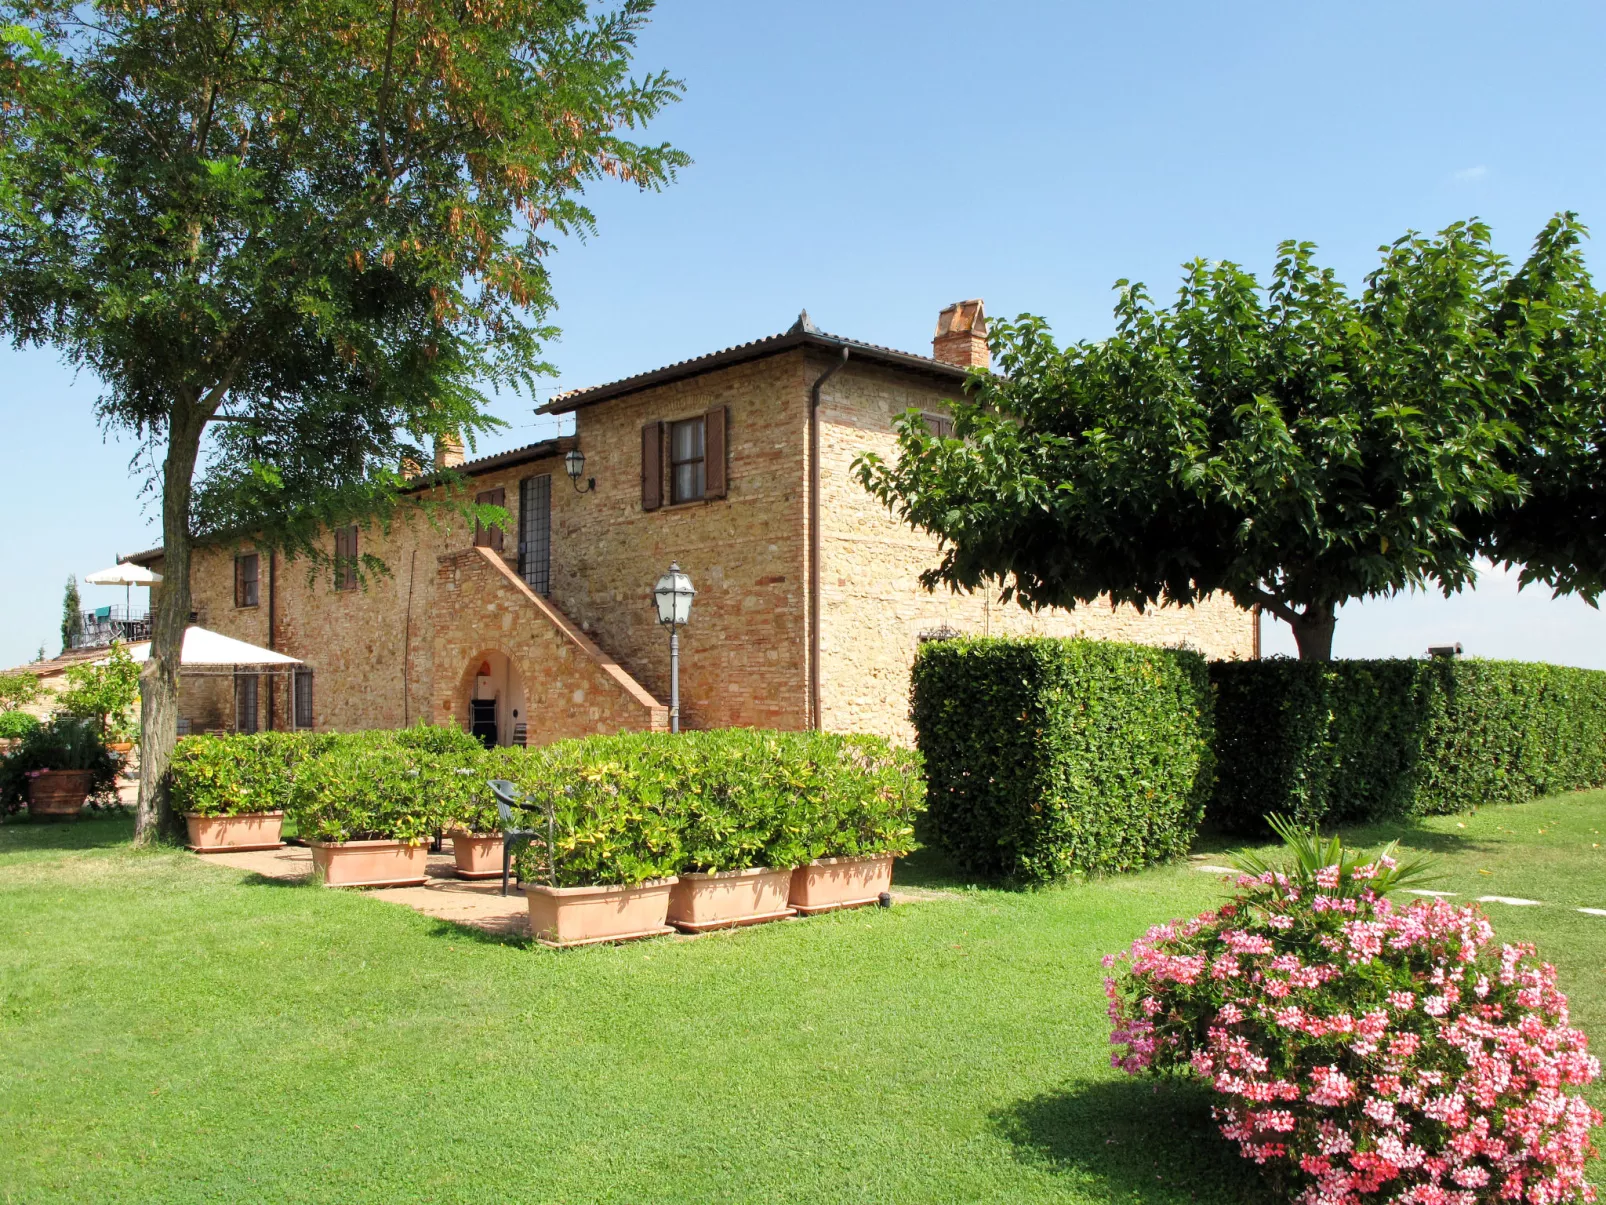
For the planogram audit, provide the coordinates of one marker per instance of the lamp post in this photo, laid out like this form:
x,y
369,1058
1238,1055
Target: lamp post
x,y
673,595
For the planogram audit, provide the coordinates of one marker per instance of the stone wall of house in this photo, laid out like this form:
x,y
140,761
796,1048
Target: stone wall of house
x,y
571,687
874,610
742,655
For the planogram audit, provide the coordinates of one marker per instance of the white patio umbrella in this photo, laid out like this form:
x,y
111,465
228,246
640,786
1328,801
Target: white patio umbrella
x,y
126,574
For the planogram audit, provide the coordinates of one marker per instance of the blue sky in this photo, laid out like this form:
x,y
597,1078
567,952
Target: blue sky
x,y
873,161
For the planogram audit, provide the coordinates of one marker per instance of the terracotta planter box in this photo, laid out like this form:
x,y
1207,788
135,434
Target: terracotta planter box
x,y
582,916
59,793
234,834
699,902
832,883
370,863
477,857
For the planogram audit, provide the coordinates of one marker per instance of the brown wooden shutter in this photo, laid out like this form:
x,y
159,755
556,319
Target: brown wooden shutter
x,y
489,537
652,466
239,581
714,452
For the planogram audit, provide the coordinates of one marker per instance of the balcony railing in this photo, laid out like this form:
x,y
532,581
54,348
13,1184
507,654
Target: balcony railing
x,y
98,628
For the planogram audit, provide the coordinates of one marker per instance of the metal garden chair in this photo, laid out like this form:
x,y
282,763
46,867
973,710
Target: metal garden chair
x,y
509,797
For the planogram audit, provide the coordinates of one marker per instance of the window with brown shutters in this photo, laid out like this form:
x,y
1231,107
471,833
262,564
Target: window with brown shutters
x,y
245,580
489,537
652,466
939,425
714,427
687,462
346,558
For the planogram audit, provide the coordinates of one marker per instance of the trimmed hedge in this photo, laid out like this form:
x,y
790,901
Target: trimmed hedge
x,y
1052,757
1356,741
625,808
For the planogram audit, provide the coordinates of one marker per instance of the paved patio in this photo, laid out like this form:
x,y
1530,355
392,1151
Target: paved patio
x,y
479,903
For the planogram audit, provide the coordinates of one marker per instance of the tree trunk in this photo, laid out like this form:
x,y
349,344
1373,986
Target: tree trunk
x,y
1313,632
158,681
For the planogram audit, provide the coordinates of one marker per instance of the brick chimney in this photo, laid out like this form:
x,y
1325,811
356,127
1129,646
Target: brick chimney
x,y
961,336
448,451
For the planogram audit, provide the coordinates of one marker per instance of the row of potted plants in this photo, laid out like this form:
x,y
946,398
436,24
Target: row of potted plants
x,y
630,834
54,766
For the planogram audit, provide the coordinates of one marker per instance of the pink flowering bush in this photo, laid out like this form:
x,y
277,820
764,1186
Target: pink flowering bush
x,y
1363,1052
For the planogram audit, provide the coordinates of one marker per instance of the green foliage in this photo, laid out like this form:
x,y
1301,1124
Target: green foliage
x,y
72,618
14,725
236,775
364,787
18,690
1307,852
1053,757
1358,741
1288,443
105,693
64,743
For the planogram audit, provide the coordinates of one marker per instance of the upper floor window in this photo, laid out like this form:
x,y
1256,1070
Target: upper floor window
x,y
346,558
245,580
535,532
939,425
687,473
489,537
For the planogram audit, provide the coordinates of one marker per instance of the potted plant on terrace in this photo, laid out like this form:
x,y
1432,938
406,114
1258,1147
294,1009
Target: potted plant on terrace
x,y
55,767
858,812
364,807
232,790
735,792
604,868
452,774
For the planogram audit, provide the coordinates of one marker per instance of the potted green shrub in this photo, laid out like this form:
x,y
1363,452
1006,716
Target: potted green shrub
x,y
604,861
363,806
55,767
735,791
451,769
232,790
106,693
858,815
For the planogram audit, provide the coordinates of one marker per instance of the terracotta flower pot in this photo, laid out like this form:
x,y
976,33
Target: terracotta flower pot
x,y
730,897
582,916
370,863
832,883
124,747
234,834
58,792
477,857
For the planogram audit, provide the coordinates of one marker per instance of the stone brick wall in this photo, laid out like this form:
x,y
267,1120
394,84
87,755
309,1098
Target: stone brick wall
x,y
873,607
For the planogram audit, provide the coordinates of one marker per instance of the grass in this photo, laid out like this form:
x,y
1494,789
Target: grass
x,y
172,1031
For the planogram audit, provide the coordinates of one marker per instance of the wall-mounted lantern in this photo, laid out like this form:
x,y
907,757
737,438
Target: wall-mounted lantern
x,y
574,464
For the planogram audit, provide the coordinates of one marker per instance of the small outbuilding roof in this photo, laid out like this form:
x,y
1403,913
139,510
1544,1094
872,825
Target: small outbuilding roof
x,y
206,649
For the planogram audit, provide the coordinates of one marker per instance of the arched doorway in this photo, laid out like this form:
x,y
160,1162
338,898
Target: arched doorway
x,y
493,695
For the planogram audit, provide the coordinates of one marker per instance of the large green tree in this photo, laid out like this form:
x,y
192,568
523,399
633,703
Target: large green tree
x,y
321,223
1290,444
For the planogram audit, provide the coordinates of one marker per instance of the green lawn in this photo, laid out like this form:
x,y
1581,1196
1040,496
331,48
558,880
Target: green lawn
x,y
172,1031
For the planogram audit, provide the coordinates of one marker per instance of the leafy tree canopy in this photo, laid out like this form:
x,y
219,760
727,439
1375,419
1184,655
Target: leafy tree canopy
x,y
1290,444
321,223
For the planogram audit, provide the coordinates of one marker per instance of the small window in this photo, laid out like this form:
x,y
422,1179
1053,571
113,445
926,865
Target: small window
x,y
939,425
245,580
245,702
489,537
301,698
346,558
686,467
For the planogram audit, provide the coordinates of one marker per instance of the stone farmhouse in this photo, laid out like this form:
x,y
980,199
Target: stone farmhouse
x,y
734,464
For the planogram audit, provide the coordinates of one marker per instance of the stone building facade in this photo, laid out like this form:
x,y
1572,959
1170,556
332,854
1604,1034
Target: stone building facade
x,y
707,463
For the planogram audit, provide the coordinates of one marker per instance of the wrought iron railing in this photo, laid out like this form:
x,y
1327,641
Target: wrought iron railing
x,y
98,628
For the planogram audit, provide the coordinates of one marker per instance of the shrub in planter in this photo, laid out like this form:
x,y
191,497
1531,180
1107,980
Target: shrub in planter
x,y
15,725
233,790
1054,757
64,746
1364,1052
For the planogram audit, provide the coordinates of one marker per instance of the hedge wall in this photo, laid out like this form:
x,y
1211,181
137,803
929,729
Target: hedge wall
x,y
1354,741
1049,757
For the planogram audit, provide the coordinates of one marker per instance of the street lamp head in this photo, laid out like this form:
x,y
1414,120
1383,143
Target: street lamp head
x,y
574,464
673,595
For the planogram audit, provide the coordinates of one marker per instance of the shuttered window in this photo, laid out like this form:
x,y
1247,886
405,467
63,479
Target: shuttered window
x,y
489,537
535,532
714,453
245,580
652,466
301,699
346,558
686,462
245,702
939,425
